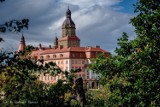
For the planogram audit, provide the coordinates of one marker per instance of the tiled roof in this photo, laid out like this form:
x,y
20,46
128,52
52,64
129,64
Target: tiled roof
x,y
95,49
36,52
68,49
65,49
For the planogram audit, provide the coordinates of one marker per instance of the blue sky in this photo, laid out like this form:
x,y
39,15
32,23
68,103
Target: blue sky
x,y
127,6
98,22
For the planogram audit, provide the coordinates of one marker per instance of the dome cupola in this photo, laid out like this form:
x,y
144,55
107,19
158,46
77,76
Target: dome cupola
x,y
68,38
68,22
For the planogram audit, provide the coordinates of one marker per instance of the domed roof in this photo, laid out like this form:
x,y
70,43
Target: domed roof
x,y
68,22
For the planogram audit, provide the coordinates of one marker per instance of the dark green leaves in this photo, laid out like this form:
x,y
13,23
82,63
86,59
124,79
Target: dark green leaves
x,y
14,25
2,0
132,76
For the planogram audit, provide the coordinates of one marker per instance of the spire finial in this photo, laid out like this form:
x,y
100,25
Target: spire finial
x,y
22,37
68,13
56,41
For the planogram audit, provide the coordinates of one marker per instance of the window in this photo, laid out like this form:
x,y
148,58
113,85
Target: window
x,y
47,56
54,56
73,55
44,77
93,76
80,55
66,32
61,55
72,61
51,77
79,62
92,84
66,62
61,62
48,77
83,61
86,62
87,75
75,61
41,57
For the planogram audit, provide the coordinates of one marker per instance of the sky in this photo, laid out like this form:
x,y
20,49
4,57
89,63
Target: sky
x,y
98,22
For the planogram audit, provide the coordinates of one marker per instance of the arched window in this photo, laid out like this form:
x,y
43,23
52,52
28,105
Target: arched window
x,y
92,85
61,55
54,56
48,56
97,85
41,57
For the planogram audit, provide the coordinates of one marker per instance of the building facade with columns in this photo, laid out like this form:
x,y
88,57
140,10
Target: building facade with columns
x,y
68,54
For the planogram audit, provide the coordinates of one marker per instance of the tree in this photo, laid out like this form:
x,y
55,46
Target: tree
x,y
19,76
21,87
133,75
14,26
19,82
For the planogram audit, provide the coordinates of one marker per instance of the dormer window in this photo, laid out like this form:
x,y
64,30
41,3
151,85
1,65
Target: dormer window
x,y
61,55
54,56
48,56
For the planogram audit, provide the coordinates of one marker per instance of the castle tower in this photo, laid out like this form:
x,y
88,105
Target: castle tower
x,y
68,38
22,44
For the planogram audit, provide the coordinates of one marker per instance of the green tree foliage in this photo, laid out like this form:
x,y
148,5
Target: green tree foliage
x,y
2,0
21,87
132,75
19,84
14,26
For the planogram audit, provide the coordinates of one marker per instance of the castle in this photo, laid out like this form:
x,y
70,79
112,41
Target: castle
x,y
68,54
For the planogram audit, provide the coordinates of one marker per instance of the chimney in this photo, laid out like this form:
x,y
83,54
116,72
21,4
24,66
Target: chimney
x,y
40,47
50,46
97,46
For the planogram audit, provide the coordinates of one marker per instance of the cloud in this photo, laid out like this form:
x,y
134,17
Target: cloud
x,y
90,3
98,22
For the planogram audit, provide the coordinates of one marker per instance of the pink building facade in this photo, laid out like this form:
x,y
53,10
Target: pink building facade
x,y
68,54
